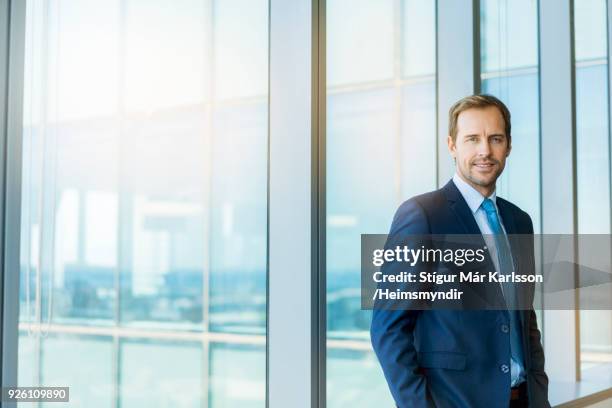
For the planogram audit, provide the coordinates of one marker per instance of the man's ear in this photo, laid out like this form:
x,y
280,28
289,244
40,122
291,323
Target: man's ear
x,y
451,146
509,150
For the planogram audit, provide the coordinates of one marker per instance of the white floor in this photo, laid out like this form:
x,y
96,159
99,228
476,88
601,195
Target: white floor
x,y
603,404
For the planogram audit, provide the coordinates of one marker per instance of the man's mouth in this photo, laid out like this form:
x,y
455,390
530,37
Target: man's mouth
x,y
484,165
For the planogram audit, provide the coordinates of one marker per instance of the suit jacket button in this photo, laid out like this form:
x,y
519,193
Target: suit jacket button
x,y
505,328
504,368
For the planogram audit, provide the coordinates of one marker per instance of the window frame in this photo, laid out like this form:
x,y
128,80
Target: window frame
x,y
12,46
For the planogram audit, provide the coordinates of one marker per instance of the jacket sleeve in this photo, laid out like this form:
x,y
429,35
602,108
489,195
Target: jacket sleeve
x,y
539,392
392,331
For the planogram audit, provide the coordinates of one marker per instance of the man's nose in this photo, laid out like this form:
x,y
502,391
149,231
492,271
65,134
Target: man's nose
x,y
484,148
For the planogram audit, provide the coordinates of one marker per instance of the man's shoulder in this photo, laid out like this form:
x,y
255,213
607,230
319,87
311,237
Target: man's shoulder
x,y
512,207
521,216
416,212
425,201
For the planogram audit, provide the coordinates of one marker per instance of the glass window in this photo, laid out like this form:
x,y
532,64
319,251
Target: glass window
x,y
509,71
590,29
508,34
350,373
520,181
144,200
592,162
237,375
360,41
83,364
381,150
418,43
28,359
161,373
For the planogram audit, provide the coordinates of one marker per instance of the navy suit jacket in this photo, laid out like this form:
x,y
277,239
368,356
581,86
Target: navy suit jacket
x,y
453,358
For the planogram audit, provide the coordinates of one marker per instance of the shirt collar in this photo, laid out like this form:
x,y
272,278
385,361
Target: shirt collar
x,y
472,197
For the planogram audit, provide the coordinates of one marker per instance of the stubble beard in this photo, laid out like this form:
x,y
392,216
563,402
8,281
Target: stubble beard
x,y
472,178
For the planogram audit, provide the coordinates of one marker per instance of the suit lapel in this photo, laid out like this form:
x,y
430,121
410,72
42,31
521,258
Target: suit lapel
x,y
489,294
507,216
462,211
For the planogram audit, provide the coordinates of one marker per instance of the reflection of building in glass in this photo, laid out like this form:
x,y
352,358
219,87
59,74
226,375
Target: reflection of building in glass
x,y
144,166
380,150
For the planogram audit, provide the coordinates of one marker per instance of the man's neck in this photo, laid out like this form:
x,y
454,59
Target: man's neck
x,y
486,191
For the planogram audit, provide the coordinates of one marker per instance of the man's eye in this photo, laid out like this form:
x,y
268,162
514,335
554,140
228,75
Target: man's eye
x,y
498,139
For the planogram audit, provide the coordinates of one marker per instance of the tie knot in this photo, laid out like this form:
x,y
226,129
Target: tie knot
x,y
488,206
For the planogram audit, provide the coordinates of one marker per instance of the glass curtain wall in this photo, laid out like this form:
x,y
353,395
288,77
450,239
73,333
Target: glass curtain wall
x,y
592,162
381,150
144,202
509,71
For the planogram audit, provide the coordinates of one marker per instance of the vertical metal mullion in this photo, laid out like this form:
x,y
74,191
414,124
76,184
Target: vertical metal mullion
x,y
294,343
577,357
539,242
208,144
317,392
398,59
5,11
206,370
458,67
209,18
267,346
319,212
558,163
12,46
609,91
476,53
125,205
209,50
437,128
43,130
116,367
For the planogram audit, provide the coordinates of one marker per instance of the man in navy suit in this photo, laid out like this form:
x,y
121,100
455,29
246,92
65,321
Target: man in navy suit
x,y
466,358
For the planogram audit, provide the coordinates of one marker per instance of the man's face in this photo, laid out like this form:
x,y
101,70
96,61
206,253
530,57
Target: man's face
x,y
481,147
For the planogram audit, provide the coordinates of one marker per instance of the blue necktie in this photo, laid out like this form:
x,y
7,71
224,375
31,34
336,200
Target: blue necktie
x,y
504,255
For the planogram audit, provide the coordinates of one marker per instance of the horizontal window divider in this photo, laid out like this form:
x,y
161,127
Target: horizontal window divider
x,y
509,72
591,62
387,83
138,333
358,345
